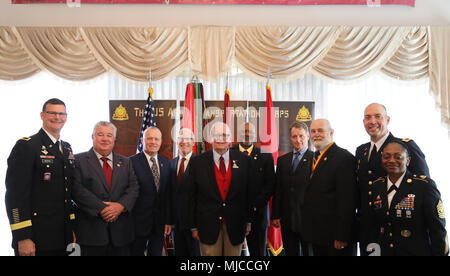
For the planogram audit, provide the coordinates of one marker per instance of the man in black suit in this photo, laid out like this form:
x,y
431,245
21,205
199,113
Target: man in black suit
x,y
220,204
38,188
263,174
329,206
185,244
105,190
293,172
152,211
369,168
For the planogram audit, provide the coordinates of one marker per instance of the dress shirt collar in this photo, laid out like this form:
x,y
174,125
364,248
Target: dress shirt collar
x,y
226,158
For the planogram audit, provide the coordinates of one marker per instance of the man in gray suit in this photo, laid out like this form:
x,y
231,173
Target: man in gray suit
x,y
105,191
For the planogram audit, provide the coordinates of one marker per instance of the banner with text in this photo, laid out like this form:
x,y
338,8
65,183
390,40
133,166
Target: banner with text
x,y
127,115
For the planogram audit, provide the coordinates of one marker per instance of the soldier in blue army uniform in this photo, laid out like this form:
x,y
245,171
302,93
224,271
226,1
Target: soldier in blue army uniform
x,y
407,209
369,166
38,188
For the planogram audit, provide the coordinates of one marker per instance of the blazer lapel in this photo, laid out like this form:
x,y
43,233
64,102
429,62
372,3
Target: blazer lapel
x,y
324,160
95,165
117,169
303,161
212,174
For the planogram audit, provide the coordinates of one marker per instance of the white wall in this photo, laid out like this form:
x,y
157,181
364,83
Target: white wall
x,y
426,12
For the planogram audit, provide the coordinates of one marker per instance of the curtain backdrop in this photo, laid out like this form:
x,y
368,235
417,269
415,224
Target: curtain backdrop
x,y
339,53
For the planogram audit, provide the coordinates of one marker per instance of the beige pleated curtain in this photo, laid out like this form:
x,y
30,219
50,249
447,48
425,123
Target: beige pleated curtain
x,y
338,53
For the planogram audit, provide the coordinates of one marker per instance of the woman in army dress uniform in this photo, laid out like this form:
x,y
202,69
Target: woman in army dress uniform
x,y
407,208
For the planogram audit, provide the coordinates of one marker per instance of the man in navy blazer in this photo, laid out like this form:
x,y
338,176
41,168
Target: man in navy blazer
x,y
152,210
181,183
105,190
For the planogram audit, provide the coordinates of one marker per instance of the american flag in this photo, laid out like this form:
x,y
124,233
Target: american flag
x,y
148,120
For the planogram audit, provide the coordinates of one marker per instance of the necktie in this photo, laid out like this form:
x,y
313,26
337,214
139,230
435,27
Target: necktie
x,y
107,170
57,145
155,173
373,153
181,170
222,167
316,157
295,161
392,188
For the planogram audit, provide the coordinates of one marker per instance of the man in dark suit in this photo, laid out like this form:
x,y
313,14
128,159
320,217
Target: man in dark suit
x,y
220,203
38,188
263,174
152,211
369,168
181,183
293,172
329,206
105,191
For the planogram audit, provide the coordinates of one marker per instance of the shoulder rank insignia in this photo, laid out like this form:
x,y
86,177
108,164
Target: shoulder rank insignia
x,y
25,139
406,140
440,210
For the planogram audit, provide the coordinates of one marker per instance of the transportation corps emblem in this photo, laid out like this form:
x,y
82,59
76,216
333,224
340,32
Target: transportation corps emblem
x,y
304,115
120,114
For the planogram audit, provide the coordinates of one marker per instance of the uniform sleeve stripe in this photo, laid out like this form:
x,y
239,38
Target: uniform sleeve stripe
x,y
20,225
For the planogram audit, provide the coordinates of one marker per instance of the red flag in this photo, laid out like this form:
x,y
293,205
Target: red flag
x,y
226,108
194,106
269,143
269,134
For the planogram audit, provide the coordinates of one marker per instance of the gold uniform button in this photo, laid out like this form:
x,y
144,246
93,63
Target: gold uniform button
x,y
370,182
387,213
220,218
391,245
224,204
370,192
370,172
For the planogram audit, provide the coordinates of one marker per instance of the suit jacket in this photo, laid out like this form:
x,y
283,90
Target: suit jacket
x,y
91,190
290,190
38,192
367,172
180,194
263,180
414,224
208,210
152,210
329,205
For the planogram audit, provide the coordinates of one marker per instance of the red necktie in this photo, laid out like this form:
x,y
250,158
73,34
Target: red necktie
x,y
181,170
222,168
107,170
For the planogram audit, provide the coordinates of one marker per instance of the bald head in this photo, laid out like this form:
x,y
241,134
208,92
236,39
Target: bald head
x,y
376,121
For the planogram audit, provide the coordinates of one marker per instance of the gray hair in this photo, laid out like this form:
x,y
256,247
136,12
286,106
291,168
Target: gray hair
x,y
299,125
105,124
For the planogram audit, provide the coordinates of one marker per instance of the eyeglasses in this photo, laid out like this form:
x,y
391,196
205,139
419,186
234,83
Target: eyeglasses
x,y
53,113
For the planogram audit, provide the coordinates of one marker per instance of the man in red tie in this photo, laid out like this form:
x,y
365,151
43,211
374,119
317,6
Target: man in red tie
x,y
185,245
105,191
220,196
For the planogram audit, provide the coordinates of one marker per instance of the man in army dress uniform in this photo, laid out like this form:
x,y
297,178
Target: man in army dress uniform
x,y
369,168
407,209
38,188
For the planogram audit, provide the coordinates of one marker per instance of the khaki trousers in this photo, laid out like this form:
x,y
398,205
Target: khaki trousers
x,y
222,247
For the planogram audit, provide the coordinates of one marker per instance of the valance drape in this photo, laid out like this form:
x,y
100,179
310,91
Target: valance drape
x,y
340,53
